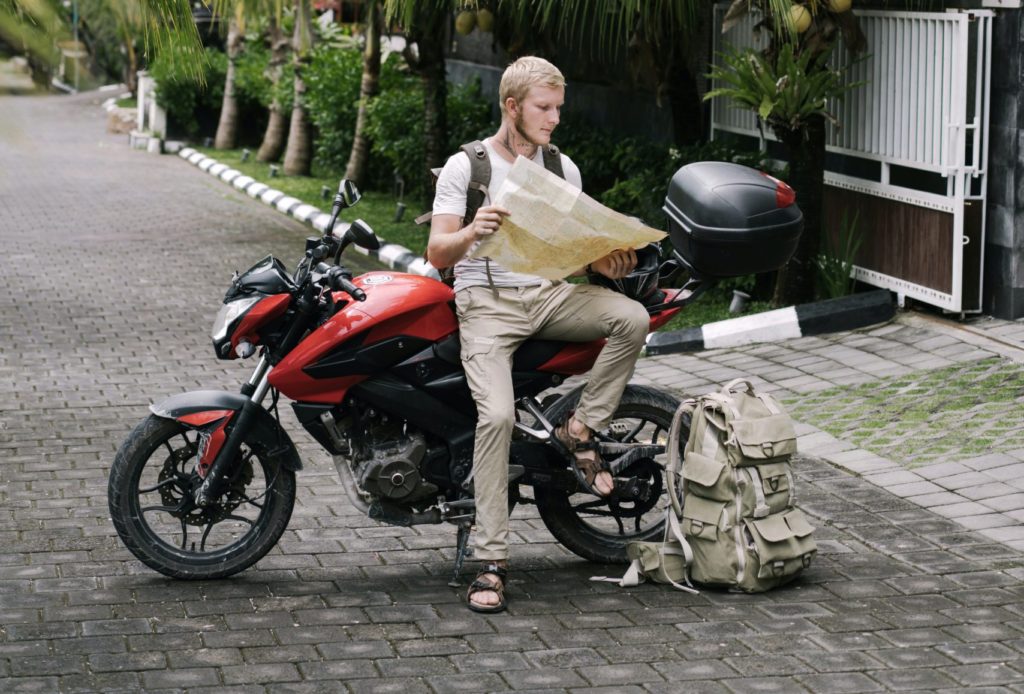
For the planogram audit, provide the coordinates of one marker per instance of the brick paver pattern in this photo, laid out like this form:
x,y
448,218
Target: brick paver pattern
x,y
114,263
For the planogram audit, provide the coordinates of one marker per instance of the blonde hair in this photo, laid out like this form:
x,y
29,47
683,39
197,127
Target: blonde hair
x,y
524,73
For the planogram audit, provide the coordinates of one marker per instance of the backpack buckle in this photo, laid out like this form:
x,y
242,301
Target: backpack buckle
x,y
769,448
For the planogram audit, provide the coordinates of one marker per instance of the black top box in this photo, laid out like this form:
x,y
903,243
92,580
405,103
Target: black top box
x,y
728,220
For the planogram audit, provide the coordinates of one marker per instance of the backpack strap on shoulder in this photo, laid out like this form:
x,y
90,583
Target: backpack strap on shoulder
x,y
553,160
479,178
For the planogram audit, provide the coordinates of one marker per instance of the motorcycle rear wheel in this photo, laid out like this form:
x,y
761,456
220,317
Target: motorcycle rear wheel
x,y
598,528
149,492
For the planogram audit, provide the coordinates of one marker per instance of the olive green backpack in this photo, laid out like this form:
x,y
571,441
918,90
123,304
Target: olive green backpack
x,y
737,508
731,522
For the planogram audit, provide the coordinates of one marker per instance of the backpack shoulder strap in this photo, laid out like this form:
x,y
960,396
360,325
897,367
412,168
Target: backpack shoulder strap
x,y
553,160
479,178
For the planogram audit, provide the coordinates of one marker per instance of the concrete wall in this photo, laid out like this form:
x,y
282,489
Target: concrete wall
x,y
1004,248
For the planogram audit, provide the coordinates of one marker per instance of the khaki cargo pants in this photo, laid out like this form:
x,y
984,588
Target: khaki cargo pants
x,y
492,324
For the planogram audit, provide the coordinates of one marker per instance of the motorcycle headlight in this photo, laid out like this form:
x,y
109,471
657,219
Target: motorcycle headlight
x,y
228,314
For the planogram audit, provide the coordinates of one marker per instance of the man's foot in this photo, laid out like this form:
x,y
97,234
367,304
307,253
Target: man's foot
x,y
487,592
577,438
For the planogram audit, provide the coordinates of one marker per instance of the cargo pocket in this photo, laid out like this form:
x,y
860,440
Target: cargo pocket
x,y
711,539
707,477
476,346
782,543
766,489
763,439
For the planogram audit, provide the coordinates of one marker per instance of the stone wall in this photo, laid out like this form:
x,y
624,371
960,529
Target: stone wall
x,y
1004,247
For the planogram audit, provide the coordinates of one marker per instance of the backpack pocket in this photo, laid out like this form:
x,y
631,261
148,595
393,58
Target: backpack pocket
x,y
782,546
762,439
712,540
765,489
708,477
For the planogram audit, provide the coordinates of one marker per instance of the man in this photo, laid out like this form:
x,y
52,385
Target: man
x,y
499,309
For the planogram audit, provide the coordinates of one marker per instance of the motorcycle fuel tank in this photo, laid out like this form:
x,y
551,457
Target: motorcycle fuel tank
x,y
402,315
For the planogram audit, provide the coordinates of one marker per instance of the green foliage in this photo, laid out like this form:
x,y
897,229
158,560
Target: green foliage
x,y
395,125
835,263
250,68
785,91
332,99
189,98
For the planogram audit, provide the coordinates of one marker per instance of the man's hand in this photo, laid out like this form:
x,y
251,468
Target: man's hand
x,y
486,221
616,264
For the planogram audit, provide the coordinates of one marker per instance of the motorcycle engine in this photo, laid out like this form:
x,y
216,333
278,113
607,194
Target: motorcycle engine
x,y
385,462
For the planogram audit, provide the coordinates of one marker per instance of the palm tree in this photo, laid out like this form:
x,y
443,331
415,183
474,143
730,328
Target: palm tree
x,y
274,137
425,25
227,125
369,87
298,155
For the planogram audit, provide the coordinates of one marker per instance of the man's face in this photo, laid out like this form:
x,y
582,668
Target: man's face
x,y
537,114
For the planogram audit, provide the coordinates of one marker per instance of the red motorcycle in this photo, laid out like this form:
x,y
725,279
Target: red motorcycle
x,y
204,487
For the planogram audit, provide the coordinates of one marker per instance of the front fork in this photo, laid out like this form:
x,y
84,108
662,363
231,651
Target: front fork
x,y
221,470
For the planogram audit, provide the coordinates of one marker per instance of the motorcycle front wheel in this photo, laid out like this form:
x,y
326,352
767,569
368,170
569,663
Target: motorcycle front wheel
x,y
150,496
598,528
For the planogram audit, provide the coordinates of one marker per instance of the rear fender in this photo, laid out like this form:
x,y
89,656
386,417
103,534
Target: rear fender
x,y
202,407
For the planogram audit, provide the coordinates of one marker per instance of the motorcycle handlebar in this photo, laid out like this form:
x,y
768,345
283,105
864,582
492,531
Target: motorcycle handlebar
x,y
339,280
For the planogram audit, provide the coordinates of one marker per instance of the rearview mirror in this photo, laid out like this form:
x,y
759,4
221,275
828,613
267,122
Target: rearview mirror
x,y
360,233
349,192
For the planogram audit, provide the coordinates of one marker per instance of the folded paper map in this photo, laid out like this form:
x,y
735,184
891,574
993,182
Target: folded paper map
x,y
554,228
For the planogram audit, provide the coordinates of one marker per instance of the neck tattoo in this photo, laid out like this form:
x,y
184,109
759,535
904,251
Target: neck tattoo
x,y
517,145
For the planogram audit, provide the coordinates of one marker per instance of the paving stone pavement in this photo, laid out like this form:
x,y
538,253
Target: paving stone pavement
x,y
112,283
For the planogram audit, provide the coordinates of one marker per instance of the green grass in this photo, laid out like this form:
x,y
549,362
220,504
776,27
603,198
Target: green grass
x,y
378,210
128,102
375,208
713,306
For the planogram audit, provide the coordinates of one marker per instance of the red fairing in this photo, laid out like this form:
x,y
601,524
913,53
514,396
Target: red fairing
x,y
198,419
262,313
211,443
396,304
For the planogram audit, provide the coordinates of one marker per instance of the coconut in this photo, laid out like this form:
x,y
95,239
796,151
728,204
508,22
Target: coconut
x,y
839,6
485,19
465,21
800,17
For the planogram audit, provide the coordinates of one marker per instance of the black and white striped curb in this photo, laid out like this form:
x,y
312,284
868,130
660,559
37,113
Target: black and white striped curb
x,y
393,255
818,318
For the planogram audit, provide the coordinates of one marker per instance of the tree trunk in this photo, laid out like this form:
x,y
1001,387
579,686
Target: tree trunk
x,y
131,77
369,87
277,125
298,155
806,151
430,66
227,127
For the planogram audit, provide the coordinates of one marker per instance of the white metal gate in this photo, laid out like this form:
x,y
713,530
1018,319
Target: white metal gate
x,y
915,134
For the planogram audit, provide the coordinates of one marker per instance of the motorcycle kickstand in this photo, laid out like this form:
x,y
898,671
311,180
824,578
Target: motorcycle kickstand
x,y
461,550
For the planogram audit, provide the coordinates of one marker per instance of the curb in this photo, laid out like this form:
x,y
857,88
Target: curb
x,y
828,316
393,255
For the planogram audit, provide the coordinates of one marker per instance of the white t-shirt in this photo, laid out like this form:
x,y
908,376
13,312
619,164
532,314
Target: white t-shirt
x,y
450,198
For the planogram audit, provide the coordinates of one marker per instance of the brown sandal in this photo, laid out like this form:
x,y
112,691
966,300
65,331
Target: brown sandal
x,y
585,468
481,584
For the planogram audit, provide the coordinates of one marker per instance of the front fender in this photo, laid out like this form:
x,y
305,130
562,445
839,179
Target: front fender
x,y
266,430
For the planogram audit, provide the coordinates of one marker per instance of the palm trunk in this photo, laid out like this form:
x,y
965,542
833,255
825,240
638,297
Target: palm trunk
x,y
227,127
806,151
430,66
277,125
369,87
298,155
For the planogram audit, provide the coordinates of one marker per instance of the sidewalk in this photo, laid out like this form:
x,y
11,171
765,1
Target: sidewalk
x,y
112,284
